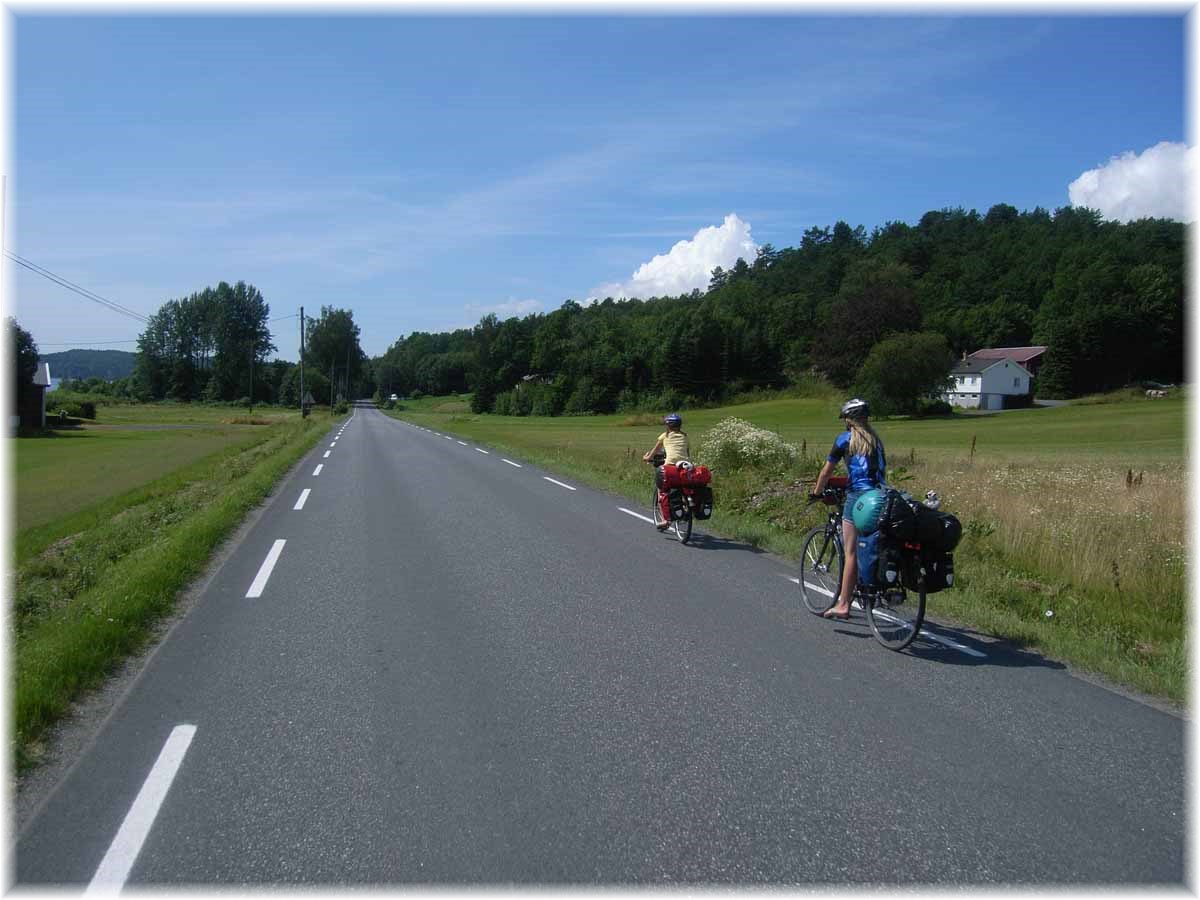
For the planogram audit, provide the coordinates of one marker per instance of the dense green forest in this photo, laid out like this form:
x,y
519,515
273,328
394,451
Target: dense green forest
x,y
1105,297
108,365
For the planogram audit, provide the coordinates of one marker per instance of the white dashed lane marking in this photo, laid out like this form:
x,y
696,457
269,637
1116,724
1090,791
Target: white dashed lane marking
x,y
559,483
317,470
482,451
303,498
630,512
123,852
265,570
511,463
923,632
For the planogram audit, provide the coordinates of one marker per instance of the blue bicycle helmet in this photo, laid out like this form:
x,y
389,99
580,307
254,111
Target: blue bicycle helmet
x,y
673,419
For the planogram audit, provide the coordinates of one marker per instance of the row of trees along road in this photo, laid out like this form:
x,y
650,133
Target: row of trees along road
x,y
1105,297
214,346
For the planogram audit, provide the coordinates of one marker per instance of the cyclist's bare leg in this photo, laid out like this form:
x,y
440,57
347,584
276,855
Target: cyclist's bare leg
x,y
841,606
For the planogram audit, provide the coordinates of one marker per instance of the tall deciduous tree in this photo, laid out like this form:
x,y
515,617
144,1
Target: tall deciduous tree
x,y
24,357
903,370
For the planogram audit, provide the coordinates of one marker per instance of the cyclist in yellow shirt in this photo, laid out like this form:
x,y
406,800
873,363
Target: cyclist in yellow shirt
x,y
674,442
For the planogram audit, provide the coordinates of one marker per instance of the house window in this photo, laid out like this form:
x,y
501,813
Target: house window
x,y
1017,381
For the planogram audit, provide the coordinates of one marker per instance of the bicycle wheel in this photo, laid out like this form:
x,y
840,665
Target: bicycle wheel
x,y
822,560
683,527
895,615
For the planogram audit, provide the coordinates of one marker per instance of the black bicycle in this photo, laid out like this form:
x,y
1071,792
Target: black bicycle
x,y
894,614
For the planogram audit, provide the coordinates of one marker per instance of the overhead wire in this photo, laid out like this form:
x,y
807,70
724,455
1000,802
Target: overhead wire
x,y
71,286
83,343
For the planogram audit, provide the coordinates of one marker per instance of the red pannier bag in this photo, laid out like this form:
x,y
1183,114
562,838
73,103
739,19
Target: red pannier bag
x,y
669,476
697,476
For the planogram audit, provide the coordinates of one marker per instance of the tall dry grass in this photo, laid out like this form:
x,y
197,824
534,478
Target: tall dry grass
x,y
1080,523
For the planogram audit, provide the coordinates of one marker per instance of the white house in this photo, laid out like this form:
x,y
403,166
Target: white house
x,y
984,383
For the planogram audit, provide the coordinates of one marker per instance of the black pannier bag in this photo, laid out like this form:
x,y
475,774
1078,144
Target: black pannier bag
x,y
703,497
677,503
889,569
938,531
938,570
899,517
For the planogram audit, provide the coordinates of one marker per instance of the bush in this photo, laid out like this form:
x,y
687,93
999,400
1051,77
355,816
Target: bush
x,y
72,406
341,408
243,401
935,408
734,443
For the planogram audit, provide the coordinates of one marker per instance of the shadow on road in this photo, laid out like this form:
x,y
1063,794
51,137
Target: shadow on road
x,y
993,652
712,542
973,648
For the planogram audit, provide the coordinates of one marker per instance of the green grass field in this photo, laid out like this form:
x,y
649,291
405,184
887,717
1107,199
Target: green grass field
x,y
61,475
1050,525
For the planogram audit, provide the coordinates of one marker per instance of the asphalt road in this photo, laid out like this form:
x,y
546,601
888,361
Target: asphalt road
x,y
458,671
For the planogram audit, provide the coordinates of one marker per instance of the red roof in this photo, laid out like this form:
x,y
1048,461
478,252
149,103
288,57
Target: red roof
x,y
1017,354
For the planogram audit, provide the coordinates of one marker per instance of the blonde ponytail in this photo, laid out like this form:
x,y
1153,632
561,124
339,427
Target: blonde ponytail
x,y
863,439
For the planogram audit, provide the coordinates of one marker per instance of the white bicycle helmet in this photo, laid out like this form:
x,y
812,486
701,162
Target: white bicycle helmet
x,y
855,409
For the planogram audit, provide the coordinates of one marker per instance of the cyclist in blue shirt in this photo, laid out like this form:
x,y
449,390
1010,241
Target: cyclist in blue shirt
x,y
862,450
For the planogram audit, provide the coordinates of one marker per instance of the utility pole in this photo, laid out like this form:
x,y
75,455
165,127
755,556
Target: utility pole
x,y
251,397
347,372
302,412
331,390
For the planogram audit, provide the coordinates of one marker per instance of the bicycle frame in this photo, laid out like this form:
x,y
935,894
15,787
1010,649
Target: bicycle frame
x,y
875,600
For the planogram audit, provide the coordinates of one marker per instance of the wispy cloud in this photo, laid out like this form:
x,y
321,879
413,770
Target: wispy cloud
x,y
507,309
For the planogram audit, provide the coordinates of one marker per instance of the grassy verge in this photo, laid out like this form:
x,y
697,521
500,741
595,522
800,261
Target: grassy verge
x,y
1060,553
89,599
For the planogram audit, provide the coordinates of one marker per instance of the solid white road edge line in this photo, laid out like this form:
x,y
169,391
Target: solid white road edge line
x,y
326,456
559,483
511,463
264,571
483,451
317,470
630,512
123,851
303,498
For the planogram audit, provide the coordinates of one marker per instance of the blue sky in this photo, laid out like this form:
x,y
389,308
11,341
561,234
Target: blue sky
x,y
425,171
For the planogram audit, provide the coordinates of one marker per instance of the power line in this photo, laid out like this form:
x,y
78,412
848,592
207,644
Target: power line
x,y
281,318
71,286
84,343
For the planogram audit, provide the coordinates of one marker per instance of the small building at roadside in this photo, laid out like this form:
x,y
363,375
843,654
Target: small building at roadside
x,y
31,402
1030,358
982,383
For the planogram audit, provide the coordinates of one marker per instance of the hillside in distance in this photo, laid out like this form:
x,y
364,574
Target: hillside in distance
x,y
107,364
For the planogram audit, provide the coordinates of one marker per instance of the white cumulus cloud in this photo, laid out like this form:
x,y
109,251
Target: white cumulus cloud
x,y
507,310
689,264
1131,186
